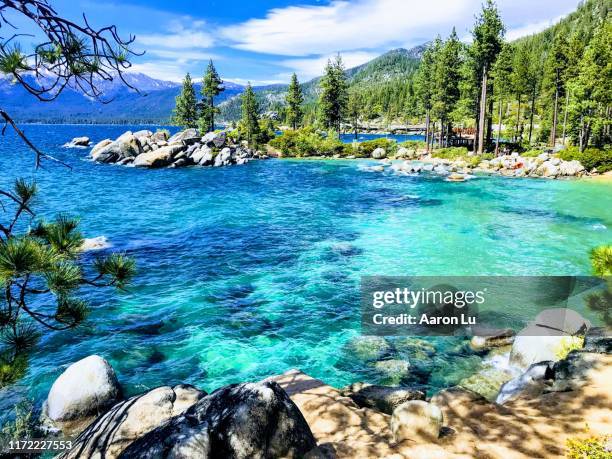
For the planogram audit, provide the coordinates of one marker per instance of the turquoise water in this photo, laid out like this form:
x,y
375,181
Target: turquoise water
x,y
244,272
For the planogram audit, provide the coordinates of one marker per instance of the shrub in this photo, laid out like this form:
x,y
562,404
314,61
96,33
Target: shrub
x,y
307,142
413,144
367,147
450,153
590,158
601,260
164,131
569,344
588,448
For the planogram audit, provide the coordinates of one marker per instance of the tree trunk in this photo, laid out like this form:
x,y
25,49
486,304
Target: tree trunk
x,y
499,123
553,134
533,100
212,115
567,97
483,110
489,137
427,121
518,120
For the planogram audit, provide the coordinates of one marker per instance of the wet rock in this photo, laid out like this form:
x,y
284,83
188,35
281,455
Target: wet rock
x,y
78,142
251,420
381,398
416,421
95,243
110,434
85,389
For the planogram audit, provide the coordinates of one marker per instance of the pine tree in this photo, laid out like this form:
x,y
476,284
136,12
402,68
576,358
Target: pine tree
x,y
185,111
334,95
446,79
294,99
555,67
502,72
249,123
488,36
353,111
212,86
424,84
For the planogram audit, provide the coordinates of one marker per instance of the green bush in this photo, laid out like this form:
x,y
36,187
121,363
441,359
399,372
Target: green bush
x,y
601,260
413,144
532,153
588,448
306,142
590,158
450,153
367,147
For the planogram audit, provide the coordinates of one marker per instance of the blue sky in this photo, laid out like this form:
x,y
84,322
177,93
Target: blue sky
x,y
265,41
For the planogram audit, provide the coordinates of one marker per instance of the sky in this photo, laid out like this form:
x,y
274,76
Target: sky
x,y
266,41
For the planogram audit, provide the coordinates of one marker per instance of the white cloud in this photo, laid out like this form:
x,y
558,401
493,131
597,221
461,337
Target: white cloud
x,y
183,55
308,68
530,29
179,36
376,24
343,25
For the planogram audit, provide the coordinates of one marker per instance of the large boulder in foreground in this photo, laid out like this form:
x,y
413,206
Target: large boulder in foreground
x,y
416,421
129,420
250,420
86,389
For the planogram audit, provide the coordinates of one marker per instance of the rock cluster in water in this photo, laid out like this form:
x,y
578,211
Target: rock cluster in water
x,y
545,165
186,148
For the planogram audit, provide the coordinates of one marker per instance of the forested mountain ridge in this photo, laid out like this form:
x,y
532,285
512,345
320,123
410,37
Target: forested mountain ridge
x,y
393,66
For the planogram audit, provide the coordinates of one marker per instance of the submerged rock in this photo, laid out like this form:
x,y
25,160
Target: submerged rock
x,y
131,419
392,370
250,420
367,348
85,389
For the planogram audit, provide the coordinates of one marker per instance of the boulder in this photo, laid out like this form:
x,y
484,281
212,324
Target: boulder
x,y
126,146
223,158
100,146
203,156
215,139
144,133
250,420
381,398
379,153
535,344
158,158
78,142
455,177
416,421
579,369
492,339
95,243
547,169
188,137
598,339
529,383
131,419
570,168
85,389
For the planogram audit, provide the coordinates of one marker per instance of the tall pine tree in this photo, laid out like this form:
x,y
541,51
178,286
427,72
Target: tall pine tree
x,y
249,123
212,86
488,36
333,101
185,112
294,99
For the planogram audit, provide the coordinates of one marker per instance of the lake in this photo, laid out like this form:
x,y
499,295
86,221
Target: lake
x,y
248,271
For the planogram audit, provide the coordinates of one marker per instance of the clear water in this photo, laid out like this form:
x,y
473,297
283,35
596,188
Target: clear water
x,y
249,271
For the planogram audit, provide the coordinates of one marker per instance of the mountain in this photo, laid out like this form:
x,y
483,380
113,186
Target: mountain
x,y
392,66
152,103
